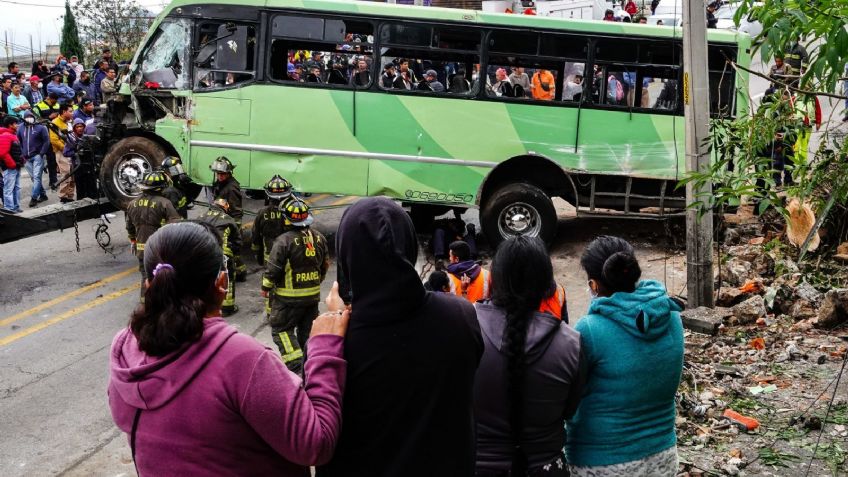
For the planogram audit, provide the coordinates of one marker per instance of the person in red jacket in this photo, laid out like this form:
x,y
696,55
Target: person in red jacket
x,y
12,161
631,7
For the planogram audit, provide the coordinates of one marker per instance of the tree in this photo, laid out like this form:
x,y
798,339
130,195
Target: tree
x,y
739,143
70,45
118,24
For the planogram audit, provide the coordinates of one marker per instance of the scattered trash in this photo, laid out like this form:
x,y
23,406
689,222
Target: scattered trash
x,y
757,343
759,389
744,423
800,223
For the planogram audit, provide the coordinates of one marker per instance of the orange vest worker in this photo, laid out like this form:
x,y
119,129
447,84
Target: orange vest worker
x,y
555,304
479,289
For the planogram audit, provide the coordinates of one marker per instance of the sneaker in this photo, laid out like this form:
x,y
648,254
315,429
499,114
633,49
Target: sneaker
x,y
241,277
43,198
33,203
10,211
65,200
229,311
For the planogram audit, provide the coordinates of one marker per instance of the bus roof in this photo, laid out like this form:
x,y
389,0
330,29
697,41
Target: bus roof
x,y
466,16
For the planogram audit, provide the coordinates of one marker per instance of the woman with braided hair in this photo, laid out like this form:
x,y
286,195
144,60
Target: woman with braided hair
x,y
530,378
633,344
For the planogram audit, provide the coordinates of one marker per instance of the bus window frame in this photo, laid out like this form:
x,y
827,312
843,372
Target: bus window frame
x,y
258,52
269,46
471,94
588,103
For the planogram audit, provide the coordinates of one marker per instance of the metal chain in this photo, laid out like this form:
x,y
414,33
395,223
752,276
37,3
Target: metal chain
x,y
76,230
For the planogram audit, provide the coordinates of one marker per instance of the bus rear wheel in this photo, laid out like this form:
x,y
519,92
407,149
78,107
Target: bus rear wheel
x,y
124,165
518,209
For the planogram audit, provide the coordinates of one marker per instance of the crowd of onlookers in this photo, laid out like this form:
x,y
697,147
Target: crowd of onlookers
x,y
40,113
475,373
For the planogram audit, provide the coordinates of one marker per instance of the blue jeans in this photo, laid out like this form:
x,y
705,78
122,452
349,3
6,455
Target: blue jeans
x,y
35,168
12,189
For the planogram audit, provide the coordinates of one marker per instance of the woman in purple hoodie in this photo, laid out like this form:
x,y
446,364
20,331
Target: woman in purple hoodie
x,y
198,398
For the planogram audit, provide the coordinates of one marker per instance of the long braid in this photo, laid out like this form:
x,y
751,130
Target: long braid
x,y
515,336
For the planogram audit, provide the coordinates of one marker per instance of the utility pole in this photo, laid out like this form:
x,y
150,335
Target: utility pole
x,y
8,53
696,99
31,51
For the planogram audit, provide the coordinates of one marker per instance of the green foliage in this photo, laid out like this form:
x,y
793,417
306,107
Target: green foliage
x,y
70,45
775,458
817,23
833,455
118,24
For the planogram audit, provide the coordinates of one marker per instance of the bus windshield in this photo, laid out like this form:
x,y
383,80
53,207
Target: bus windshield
x,y
164,62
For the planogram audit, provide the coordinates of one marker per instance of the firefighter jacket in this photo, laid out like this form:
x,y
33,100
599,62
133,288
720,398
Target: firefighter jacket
x,y
146,215
230,190
178,199
228,227
296,266
267,226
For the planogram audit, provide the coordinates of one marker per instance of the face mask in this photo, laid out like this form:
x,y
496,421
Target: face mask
x,y
592,294
62,62
40,85
74,63
29,120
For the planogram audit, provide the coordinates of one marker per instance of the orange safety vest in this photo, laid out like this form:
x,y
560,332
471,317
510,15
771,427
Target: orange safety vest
x,y
554,304
477,290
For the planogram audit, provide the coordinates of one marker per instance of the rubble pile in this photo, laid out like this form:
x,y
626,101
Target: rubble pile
x,y
759,370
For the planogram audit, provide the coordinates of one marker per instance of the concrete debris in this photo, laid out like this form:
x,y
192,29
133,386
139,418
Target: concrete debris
x,y
834,308
749,310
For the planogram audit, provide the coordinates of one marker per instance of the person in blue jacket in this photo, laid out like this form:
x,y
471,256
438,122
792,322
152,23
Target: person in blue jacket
x,y
35,144
632,341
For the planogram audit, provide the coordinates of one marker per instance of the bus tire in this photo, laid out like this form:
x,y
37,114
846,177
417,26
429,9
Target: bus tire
x,y
518,209
125,164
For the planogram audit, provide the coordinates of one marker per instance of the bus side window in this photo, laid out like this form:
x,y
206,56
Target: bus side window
x,y
226,55
320,51
722,80
429,60
614,85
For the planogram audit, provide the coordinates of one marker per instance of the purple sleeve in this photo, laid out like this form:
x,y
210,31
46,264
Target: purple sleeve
x,y
301,423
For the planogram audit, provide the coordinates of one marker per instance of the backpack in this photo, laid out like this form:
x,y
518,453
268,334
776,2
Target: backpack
x,y
615,92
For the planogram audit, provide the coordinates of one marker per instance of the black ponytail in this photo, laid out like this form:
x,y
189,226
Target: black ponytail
x,y
611,262
522,276
181,262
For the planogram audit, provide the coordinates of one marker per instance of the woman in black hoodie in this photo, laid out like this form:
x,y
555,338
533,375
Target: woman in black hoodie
x,y
411,355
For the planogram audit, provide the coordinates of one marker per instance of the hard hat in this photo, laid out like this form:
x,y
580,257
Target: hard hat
x,y
173,166
153,180
222,164
296,211
222,203
278,188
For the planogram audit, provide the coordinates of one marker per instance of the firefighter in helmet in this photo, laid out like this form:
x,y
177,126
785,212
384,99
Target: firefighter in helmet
x,y
270,223
217,216
225,186
177,178
147,213
296,266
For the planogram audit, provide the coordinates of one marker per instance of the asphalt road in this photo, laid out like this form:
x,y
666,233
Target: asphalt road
x,y
60,309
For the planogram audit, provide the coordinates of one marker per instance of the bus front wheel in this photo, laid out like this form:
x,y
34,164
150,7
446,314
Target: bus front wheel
x,y
124,165
518,209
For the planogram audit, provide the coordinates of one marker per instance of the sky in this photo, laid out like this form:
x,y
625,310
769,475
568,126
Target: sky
x,y
41,19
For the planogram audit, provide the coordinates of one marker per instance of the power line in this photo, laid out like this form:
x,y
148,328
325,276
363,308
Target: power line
x,y
32,4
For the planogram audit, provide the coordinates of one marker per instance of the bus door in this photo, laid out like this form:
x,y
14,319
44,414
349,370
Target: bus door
x,y
222,116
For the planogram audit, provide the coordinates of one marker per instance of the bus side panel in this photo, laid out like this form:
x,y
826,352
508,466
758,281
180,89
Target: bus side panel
x,y
546,130
313,118
202,158
416,181
635,144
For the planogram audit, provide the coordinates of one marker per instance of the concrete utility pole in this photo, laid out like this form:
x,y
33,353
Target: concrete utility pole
x,y
696,99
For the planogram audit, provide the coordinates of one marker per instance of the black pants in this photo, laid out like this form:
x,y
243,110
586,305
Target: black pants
x,y
52,169
290,328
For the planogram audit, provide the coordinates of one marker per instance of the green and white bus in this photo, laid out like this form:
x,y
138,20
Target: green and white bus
x,y
297,88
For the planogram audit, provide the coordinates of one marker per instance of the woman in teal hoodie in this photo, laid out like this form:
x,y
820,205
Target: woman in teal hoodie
x,y
632,340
